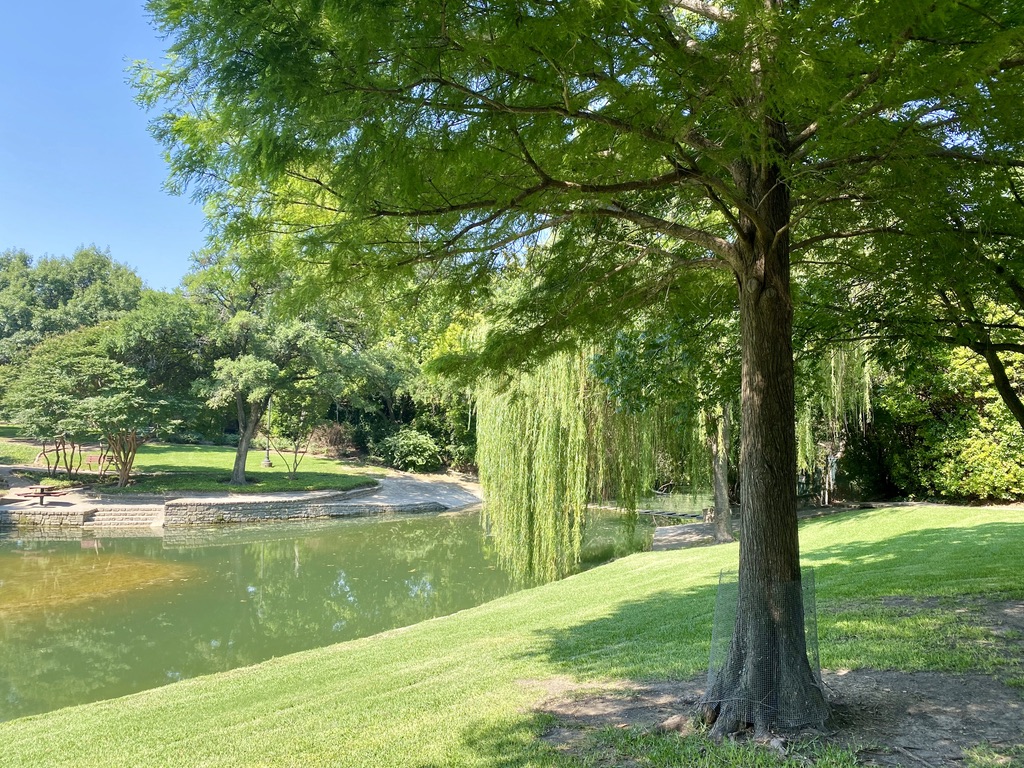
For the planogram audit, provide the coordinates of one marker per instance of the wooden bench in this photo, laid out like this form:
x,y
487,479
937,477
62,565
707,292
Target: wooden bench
x,y
101,461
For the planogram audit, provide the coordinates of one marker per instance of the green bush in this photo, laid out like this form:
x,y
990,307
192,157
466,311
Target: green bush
x,y
411,450
939,431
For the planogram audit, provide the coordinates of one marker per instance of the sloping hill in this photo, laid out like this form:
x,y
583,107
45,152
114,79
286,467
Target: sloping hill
x,y
901,590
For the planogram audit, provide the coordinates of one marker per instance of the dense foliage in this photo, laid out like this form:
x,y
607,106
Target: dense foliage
x,y
50,296
938,430
193,354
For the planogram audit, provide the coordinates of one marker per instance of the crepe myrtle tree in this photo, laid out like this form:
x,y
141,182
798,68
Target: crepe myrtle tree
x,y
71,391
640,140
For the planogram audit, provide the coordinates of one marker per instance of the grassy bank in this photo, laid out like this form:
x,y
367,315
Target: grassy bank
x,y
167,468
463,690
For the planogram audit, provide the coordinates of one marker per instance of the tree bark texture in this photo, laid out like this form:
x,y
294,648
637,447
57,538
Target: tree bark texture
x,y
766,679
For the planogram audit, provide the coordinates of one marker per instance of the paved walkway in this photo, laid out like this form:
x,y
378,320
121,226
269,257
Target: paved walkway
x,y
394,491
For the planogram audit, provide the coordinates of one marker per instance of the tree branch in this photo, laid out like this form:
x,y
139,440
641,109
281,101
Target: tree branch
x,y
717,245
704,9
825,237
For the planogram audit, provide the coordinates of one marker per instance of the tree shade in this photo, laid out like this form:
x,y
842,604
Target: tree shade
x,y
641,140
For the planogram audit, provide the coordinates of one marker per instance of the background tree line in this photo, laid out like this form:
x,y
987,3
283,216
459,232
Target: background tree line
x,y
89,355
86,349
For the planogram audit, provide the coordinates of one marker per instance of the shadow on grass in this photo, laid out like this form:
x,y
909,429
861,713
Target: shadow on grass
x,y
666,636
514,744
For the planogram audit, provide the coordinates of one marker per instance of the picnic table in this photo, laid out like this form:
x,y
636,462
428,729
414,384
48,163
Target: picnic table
x,y
42,492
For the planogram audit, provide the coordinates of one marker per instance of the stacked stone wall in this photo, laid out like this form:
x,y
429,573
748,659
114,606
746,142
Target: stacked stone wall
x,y
199,513
43,516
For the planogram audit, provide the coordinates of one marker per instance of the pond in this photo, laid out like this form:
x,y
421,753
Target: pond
x,y
93,618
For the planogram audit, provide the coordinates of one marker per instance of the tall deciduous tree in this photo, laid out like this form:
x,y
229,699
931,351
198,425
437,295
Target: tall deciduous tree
x,y
652,138
258,351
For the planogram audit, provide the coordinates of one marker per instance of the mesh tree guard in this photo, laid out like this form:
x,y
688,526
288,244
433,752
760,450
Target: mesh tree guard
x,y
772,692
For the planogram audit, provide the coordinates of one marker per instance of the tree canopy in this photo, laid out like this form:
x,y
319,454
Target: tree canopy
x,y
635,142
49,296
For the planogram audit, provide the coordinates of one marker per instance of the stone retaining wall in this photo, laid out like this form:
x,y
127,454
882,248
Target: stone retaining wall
x,y
43,516
176,513
194,512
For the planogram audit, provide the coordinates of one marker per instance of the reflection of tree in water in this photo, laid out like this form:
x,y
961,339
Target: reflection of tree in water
x,y
35,679
243,603
248,594
368,578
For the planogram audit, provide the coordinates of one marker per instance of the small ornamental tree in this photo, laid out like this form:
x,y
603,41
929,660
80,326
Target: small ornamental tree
x,y
44,396
70,391
119,408
298,410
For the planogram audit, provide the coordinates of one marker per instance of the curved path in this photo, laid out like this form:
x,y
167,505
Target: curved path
x,y
395,492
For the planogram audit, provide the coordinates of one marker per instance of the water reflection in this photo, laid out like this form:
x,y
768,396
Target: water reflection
x,y
82,620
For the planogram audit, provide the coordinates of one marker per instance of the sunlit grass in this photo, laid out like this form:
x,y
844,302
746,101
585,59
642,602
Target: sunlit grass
x,y
15,453
936,639
464,690
165,468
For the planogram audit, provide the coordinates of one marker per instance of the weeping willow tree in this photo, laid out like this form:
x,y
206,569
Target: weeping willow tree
x,y
550,442
838,396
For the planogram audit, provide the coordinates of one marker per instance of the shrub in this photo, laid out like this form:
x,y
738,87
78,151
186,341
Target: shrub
x,y
411,450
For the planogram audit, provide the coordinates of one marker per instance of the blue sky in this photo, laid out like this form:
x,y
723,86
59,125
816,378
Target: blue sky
x,y
77,165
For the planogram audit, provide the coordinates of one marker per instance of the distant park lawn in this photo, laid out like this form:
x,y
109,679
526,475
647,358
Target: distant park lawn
x,y
897,589
171,468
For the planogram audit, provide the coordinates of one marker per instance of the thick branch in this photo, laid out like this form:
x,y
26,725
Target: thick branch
x,y
825,237
717,245
706,10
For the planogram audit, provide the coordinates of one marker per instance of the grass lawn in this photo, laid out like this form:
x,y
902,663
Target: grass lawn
x,y
463,690
12,451
167,468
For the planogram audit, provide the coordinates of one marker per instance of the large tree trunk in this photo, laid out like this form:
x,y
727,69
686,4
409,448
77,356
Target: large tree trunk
x,y
718,438
766,680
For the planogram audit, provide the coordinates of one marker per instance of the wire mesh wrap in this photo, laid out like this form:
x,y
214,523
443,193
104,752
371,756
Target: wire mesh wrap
x,y
776,694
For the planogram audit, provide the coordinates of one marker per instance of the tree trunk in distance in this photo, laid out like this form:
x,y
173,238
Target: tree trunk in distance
x,y
719,436
1003,384
248,423
124,448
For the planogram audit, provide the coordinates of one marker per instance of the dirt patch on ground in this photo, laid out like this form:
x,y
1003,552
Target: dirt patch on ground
x,y
922,718
908,719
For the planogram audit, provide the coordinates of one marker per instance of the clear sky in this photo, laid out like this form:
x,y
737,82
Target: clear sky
x,y
77,165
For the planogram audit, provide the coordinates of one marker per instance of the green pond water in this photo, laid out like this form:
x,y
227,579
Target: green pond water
x,y
93,618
